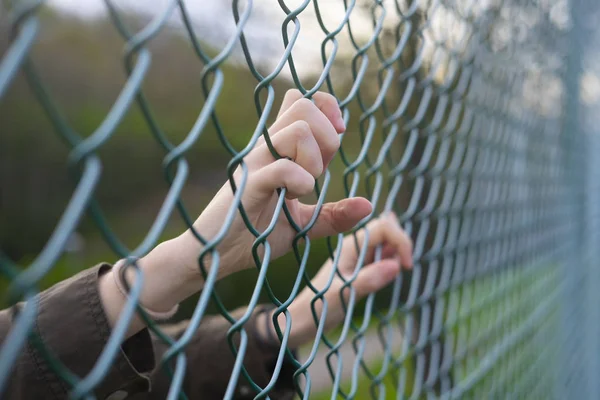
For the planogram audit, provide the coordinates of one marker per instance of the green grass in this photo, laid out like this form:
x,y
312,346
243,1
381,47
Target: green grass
x,y
367,388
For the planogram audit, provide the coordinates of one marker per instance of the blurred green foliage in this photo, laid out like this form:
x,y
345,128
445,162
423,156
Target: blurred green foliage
x,y
367,389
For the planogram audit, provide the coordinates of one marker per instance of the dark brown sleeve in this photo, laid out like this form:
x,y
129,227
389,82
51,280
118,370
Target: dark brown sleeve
x,y
210,362
72,326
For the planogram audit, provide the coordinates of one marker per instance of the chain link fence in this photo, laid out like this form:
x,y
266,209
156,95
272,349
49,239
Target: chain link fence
x,y
466,118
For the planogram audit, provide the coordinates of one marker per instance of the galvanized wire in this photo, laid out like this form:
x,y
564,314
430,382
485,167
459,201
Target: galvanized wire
x,y
491,175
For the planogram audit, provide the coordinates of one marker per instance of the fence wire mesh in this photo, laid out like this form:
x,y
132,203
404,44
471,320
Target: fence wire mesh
x,y
464,117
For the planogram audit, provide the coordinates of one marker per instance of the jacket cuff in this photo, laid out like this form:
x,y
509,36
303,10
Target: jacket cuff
x,y
72,326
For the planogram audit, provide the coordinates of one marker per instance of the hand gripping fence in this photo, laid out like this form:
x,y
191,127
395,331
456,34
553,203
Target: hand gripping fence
x,y
492,174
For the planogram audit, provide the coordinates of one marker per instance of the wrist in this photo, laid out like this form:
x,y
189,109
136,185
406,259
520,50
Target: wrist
x,y
168,279
188,249
303,327
113,302
169,274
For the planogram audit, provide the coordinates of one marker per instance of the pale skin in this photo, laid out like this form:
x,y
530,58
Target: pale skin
x,y
308,134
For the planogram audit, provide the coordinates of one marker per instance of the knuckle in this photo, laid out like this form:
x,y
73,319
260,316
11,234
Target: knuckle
x,y
329,98
327,101
283,167
377,225
324,96
318,167
388,222
310,184
304,105
304,182
292,93
302,129
371,225
287,166
314,168
310,156
390,231
332,144
337,214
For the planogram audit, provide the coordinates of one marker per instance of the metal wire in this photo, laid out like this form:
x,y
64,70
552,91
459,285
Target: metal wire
x,y
492,175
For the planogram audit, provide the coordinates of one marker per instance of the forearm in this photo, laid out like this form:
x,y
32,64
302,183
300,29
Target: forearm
x,y
303,325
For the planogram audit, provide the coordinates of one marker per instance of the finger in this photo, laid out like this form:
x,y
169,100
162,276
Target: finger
x,y
296,142
376,276
386,230
336,217
388,251
324,101
328,105
279,174
322,129
291,96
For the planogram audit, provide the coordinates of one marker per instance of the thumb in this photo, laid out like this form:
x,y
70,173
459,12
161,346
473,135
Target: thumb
x,y
337,217
376,276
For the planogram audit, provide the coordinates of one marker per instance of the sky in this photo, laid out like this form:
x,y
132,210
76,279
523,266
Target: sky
x,y
214,23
